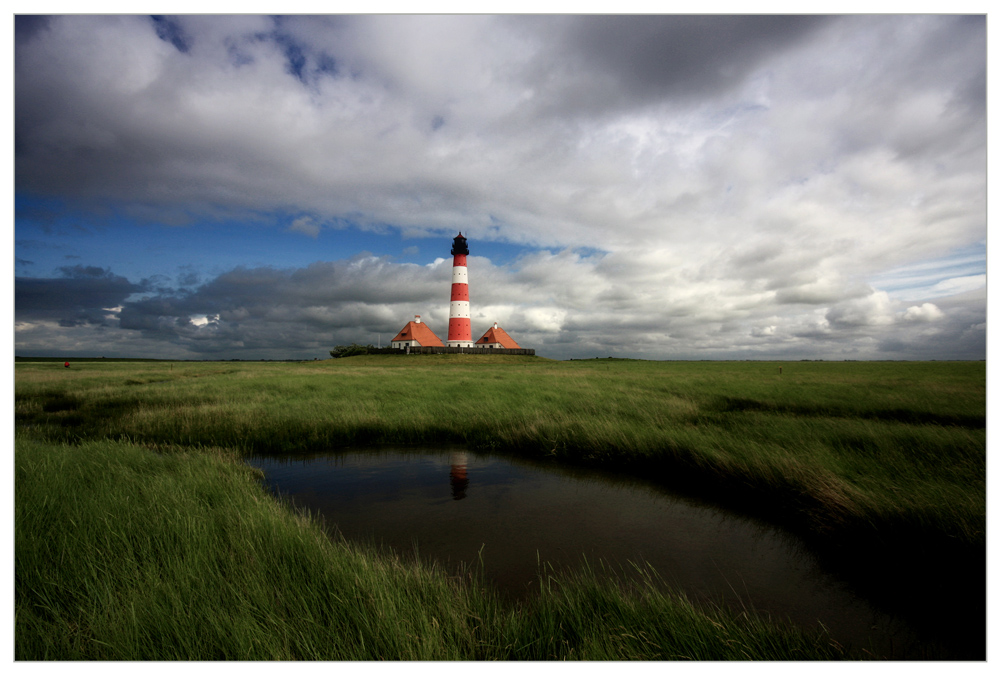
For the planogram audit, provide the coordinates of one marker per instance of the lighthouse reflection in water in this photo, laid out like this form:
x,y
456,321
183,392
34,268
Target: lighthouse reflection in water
x,y
459,475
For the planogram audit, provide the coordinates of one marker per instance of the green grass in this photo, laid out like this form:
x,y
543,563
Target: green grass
x,y
880,464
126,554
836,447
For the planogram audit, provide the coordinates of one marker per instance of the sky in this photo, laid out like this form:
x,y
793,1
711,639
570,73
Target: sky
x,y
654,186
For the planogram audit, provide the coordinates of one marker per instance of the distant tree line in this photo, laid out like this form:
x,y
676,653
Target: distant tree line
x,y
354,349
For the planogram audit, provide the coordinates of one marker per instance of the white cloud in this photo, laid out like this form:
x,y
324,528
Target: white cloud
x,y
204,320
305,225
875,309
542,319
926,312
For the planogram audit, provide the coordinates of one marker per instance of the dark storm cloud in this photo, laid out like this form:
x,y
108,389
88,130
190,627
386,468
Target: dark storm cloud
x,y
620,60
82,295
79,288
150,123
946,55
306,308
363,278
26,26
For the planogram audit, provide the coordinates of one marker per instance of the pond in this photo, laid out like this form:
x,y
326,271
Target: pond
x,y
460,508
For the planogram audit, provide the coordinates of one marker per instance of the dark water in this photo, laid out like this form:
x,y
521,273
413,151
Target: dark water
x,y
460,507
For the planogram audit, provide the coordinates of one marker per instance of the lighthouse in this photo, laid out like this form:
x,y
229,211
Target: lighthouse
x,y
459,321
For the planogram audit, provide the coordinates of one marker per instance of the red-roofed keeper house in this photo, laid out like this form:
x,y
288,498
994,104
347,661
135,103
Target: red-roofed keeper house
x,y
416,334
497,338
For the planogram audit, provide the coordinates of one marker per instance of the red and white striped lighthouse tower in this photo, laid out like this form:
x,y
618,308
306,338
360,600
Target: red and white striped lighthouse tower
x,y
459,321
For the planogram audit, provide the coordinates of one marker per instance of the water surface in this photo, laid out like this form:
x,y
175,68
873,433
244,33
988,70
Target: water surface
x,y
460,507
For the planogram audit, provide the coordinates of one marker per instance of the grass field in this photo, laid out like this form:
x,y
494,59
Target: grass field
x,y
887,459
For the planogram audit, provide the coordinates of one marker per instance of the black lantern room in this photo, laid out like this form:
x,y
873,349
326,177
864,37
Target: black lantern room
x,y
460,246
